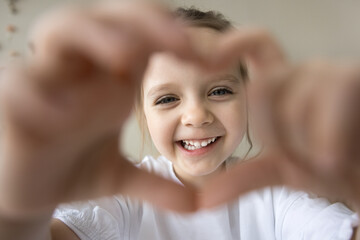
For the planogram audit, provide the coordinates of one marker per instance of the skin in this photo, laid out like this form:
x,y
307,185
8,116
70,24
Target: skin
x,y
184,102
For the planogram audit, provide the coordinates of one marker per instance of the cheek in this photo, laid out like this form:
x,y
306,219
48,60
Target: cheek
x,y
235,121
161,129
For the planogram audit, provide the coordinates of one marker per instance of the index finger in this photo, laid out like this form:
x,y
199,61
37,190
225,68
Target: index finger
x,y
239,180
153,22
257,47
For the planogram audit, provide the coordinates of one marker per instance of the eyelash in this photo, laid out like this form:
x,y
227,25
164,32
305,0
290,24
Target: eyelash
x,y
165,100
224,91
171,99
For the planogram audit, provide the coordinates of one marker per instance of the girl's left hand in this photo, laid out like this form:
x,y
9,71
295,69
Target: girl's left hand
x,y
308,119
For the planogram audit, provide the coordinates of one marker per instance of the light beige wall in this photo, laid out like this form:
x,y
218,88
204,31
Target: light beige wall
x,y
305,28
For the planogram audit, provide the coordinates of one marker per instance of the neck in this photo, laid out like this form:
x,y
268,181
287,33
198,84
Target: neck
x,y
197,182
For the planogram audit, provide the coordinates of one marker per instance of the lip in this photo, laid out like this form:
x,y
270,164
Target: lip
x,y
200,151
199,139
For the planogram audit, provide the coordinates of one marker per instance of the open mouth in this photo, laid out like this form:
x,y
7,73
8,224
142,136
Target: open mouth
x,y
192,145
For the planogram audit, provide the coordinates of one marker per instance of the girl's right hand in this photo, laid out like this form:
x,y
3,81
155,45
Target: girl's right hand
x,y
62,115
307,117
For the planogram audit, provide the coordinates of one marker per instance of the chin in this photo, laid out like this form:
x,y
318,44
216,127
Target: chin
x,y
201,172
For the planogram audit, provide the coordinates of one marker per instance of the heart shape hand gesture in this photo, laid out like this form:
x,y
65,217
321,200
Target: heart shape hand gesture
x,y
62,114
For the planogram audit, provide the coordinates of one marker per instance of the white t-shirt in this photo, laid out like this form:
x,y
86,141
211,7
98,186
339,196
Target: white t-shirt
x,y
268,214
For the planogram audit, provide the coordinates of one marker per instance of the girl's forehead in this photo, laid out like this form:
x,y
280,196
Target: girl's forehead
x,y
167,70
167,67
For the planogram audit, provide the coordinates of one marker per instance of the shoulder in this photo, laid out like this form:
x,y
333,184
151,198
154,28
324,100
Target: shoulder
x,y
283,203
283,199
104,218
309,215
87,218
295,213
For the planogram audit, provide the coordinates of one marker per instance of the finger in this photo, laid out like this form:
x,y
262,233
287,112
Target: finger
x,y
255,46
260,105
115,37
333,128
239,180
104,172
162,193
263,105
351,122
70,35
154,22
122,177
293,106
289,111
21,106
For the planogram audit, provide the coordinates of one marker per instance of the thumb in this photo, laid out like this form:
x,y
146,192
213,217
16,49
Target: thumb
x,y
161,192
241,179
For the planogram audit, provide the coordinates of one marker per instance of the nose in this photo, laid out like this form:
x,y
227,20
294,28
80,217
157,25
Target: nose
x,y
196,115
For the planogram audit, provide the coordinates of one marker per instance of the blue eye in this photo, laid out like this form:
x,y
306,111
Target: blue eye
x,y
220,92
166,100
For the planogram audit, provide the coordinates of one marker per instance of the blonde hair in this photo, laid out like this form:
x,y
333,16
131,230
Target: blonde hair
x,y
193,17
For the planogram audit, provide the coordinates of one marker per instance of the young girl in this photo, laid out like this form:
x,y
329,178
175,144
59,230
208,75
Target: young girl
x,y
196,120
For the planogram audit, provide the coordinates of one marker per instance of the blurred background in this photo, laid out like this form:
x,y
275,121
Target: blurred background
x,y
306,28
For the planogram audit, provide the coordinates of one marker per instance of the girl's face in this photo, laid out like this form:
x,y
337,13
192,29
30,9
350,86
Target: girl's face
x,y
195,119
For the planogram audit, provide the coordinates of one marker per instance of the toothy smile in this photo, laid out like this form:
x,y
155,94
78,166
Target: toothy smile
x,y
197,144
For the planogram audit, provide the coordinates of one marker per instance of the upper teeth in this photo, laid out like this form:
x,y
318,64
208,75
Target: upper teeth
x,y
192,145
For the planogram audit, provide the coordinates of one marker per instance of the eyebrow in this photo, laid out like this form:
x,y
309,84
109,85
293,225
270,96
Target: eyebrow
x,y
160,87
223,78
227,78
